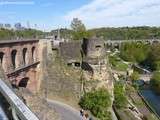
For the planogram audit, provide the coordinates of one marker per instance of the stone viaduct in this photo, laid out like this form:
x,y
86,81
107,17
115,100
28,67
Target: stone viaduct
x,y
20,62
117,43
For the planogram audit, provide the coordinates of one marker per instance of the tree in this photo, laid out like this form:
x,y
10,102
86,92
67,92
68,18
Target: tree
x,y
127,33
79,29
97,102
12,34
155,81
154,57
77,25
134,52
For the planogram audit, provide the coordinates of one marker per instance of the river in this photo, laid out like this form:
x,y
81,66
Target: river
x,y
153,99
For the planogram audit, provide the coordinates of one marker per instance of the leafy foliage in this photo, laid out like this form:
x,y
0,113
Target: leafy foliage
x,y
134,52
119,94
122,33
97,102
142,54
127,33
79,29
154,57
117,63
77,25
135,76
11,34
155,81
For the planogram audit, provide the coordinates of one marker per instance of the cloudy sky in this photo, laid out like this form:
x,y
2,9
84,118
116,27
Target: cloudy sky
x,y
50,14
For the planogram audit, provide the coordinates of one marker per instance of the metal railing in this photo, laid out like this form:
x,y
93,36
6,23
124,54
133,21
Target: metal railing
x,y
22,111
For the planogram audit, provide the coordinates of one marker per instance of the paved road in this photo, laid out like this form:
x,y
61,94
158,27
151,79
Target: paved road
x,y
66,112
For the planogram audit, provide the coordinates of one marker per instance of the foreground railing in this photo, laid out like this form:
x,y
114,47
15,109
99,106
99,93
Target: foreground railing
x,y
22,111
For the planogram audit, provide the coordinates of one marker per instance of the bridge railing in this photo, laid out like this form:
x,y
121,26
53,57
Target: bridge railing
x,y
23,112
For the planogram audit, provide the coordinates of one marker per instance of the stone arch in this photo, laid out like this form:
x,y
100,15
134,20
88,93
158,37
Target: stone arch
x,y
139,42
24,82
25,56
2,59
14,58
33,54
116,46
155,42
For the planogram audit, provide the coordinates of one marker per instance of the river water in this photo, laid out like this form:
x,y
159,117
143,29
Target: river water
x,y
153,99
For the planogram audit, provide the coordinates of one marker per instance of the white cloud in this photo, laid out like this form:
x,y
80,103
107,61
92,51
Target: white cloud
x,y
118,13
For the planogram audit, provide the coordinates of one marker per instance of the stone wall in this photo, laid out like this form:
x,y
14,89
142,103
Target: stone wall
x,y
61,82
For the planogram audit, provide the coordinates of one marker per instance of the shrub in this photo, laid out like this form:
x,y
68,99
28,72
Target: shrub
x,y
135,76
155,81
97,102
120,100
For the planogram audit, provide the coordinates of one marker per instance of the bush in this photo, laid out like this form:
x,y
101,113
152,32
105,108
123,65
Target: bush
x,y
120,100
155,81
135,76
97,102
156,65
117,63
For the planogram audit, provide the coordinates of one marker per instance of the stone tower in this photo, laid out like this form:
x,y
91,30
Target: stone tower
x,y
94,62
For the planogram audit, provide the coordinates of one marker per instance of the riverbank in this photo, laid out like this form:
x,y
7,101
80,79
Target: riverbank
x,y
138,101
152,99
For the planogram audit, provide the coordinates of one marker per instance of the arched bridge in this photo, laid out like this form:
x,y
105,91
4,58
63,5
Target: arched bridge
x,y
117,43
19,60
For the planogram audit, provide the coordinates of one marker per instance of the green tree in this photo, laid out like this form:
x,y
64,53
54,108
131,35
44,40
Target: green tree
x,y
154,57
155,81
6,34
77,25
97,102
156,65
128,33
79,29
134,52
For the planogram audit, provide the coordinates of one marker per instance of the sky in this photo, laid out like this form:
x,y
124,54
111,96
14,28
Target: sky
x,y
52,14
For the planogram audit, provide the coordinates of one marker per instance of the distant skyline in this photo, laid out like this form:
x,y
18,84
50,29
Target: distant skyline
x,y
52,14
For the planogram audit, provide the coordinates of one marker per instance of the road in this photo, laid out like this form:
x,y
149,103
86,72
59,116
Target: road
x,y
66,112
